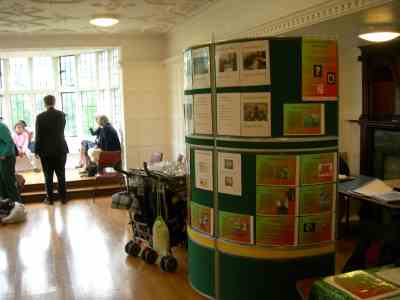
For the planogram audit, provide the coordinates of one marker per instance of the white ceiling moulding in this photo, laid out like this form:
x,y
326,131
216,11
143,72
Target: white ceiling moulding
x,y
310,16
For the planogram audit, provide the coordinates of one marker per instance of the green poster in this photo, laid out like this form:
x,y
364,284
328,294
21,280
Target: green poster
x,y
304,119
236,227
201,218
315,229
275,200
275,230
317,198
276,170
318,168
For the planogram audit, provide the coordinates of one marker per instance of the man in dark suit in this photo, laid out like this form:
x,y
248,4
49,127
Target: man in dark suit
x,y
51,147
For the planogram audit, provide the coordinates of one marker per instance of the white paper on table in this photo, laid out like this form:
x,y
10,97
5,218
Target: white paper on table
x,y
230,173
374,188
392,275
228,114
188,79
201,68
203,169
256,114
227,64
202,114
255,63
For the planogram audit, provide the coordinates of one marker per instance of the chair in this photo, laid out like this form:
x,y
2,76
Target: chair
x,y
156,157
107,159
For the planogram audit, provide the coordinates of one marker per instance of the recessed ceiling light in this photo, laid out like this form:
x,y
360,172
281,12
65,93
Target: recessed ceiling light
x,y
379,36
104,21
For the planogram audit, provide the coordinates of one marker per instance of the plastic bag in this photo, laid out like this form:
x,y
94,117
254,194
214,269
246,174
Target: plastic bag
x,y
160,236
17,214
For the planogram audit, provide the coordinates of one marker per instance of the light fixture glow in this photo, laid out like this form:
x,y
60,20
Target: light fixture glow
x,y
104,21
379,36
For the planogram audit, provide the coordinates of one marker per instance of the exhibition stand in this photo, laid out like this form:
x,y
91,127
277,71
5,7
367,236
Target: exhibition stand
x,y
262,137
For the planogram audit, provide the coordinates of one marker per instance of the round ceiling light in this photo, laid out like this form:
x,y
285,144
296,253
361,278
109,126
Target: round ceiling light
x,y
104,21
379,36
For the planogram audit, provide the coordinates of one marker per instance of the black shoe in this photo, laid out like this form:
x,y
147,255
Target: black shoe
x,y
48,201
64,200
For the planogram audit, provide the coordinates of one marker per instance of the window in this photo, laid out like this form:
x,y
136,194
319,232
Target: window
x,y
39,103
43,70
116,108
87,70
21,109
67,71
1,106
1,74
114,68
69,101
103,69
89,109
19,73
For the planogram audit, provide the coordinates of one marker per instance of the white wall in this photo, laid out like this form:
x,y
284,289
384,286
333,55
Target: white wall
x,y
229,18
144,89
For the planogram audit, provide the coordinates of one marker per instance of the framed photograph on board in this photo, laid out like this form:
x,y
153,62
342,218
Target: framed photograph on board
x,y
201,68
303,119
255,66
227,65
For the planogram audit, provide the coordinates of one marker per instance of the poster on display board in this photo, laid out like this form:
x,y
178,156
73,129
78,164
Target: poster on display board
x,y
187,66
315,228
201,68
277,170
275,200
276,230
315,199
227,65
202,110
303,119
319,70
201,218
230,173
228,114
256,114
254,63
188,114
236,227
318,168
203,169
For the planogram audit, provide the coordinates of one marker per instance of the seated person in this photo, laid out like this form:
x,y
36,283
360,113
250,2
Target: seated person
x,y
31,144
25,158
106,140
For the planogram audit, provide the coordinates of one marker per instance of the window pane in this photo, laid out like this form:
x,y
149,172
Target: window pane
x,y
42,73
21,109
87,70
69,108
115,69
67,71
116,108
103,69
1,106
39,104
89,109
19,73
1,74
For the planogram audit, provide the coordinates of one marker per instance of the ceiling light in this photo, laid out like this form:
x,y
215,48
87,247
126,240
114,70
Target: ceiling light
x,y
104,21
378,37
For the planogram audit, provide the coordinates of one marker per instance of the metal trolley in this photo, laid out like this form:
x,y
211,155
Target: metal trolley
x,y
154,191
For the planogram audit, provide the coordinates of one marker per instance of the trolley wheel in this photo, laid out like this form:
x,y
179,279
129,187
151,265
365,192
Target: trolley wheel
x,y
169,264
132,248
149,256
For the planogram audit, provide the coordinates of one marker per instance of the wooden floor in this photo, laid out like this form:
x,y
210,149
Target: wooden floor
x,y
76,252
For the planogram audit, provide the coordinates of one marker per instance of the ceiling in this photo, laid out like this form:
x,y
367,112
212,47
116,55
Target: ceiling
x,y
72,16
347,28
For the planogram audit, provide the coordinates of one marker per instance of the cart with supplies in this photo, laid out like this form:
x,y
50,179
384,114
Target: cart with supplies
x,y
156,199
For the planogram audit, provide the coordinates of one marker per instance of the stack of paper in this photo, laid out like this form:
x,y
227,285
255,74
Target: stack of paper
x,y
363,286
379,190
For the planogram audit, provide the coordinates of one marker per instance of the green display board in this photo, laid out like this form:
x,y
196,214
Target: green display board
x,y
262,144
